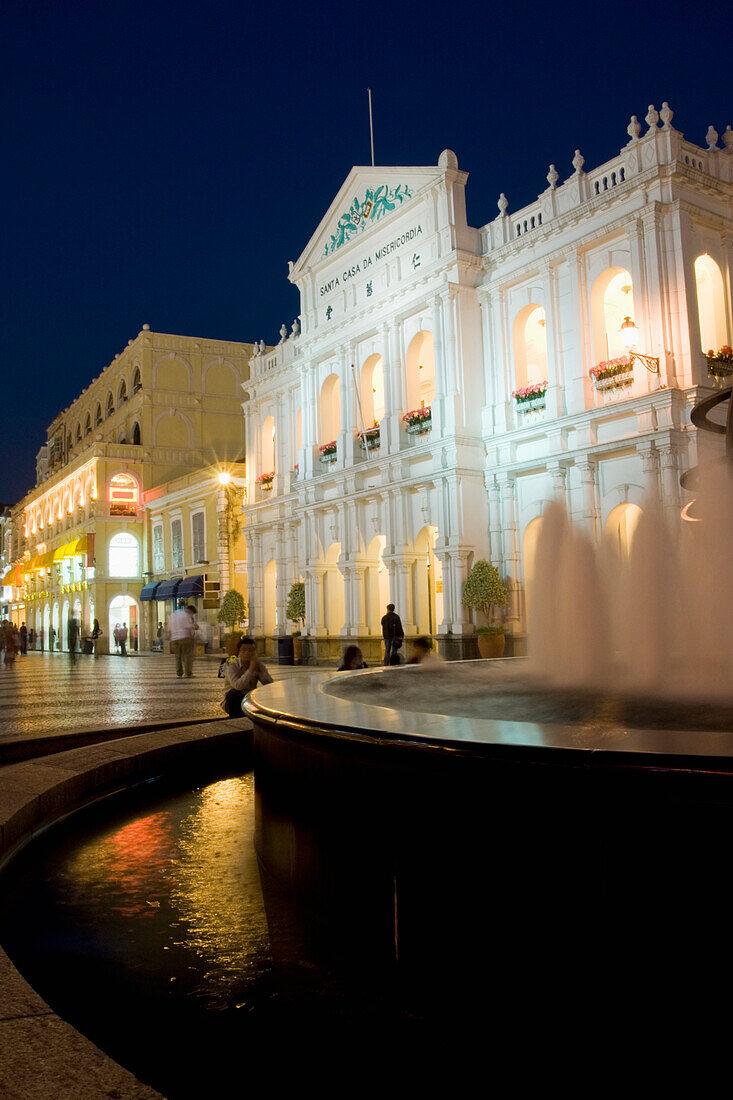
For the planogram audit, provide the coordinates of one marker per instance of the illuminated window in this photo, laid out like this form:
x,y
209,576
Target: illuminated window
x,y
158,549
710,303
124,556
123,495
176,544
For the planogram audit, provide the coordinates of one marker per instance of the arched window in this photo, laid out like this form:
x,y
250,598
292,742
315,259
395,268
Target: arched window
x,y
123,495
330,409
372,391
420,366
710,304
88,425
136,434
530,346
612,299
122,394
268,445
78,433
620,527
124,555
98,416
110,405
136,381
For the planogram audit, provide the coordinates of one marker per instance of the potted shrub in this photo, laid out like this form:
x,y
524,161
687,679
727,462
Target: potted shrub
x,y
296,613
231,613
485,591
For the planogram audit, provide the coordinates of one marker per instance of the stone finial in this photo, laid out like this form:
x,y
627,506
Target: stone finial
x,y
728,138
262,347
447,159
503,204
666,114
146,328
652,117
578,161
634,128
552,176
711,137
283,333
296,327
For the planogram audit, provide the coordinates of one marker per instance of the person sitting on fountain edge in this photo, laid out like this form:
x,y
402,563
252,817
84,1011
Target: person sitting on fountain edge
x,y
243,674
423,653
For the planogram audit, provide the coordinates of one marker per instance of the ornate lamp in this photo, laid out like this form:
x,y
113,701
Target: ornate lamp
x,y
628,334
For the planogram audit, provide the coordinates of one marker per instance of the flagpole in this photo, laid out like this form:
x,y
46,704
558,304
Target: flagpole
x,y
371,124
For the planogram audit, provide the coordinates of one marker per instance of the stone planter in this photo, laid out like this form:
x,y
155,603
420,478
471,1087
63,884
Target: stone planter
x,y
615,381
370,443
420,428
531,404
266,487
491,645
719,368
328,459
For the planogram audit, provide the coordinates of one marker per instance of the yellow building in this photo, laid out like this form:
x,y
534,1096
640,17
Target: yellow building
x,y
165,408
194,546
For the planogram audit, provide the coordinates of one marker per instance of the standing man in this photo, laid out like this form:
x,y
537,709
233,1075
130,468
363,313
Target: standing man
x,y
23,639
392,632
182,626
122,639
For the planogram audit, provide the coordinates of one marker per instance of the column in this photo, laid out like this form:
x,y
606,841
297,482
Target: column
x,y
576,365
446,623
669,457
254,580
494,522
461,621
281,590
587,469
656,338
559,476
650,465
555,402
397,369
405,602
511,551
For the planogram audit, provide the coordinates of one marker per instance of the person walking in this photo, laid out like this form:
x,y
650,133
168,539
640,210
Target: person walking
x,y
23,639
122,639
392,632
243,674
96,633
182,628
51,639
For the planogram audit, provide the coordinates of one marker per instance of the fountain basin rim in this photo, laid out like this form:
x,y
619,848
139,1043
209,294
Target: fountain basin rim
x,y
306,709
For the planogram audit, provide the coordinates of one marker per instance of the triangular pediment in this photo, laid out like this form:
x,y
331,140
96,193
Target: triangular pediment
x,y
367,198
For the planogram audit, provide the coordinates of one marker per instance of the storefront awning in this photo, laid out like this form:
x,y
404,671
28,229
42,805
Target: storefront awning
x,y
12,576
191,587
61,552
45,560
168,590
79,547
149,590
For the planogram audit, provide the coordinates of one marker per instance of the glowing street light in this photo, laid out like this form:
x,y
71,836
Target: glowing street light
x,y
628,335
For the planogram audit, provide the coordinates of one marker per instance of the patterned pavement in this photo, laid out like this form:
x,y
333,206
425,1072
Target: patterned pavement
x,y
44,694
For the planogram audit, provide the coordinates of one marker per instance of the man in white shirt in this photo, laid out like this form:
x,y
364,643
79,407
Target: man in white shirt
x,y
243,675
182,628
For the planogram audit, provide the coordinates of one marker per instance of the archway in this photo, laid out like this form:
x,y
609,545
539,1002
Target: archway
x,y
270,608
428,583
268,446
64,629
330,409
54,641
710,304
123,609
612,299
530,346
420,371
371,389
620,527
45,640
334,600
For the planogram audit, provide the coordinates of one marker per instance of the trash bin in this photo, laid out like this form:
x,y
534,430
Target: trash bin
x,y
87,646
285,654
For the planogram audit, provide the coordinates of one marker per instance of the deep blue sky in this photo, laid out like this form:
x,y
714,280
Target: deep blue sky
x,y
162,161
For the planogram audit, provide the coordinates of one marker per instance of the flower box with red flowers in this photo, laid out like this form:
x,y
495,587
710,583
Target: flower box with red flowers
x,y
265,481
531,397
369,439
328,451
613,374
720,362
418,421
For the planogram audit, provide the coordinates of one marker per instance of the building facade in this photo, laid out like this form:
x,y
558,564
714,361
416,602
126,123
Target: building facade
x,y
445,382
166,408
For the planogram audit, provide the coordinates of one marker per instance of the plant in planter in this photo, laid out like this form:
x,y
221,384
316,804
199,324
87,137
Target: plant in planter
x,y
231,612
328,451
720,362
531,397
612,374
419,421
485,591
265,480
369,439
295,611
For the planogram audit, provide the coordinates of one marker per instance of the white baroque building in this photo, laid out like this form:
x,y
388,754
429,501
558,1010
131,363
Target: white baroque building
x,y
405,307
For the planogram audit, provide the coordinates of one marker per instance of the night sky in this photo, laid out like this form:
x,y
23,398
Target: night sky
x,y
162,161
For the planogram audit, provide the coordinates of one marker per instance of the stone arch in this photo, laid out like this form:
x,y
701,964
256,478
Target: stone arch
x,y
122,393
88,425
173,372
221,378
612,299
420,370
530,346
330,409
98,415
77,433
334,594
169,430
137,384
371,391
620,528
109,406
135,437
710,304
